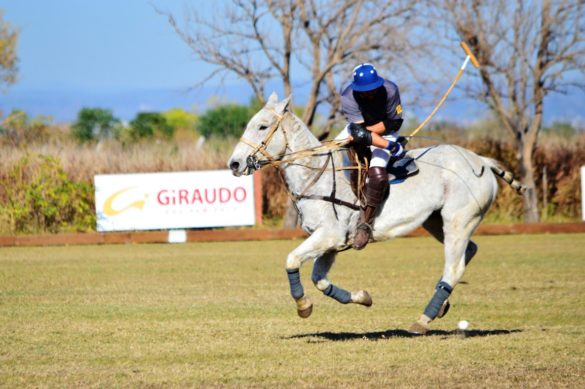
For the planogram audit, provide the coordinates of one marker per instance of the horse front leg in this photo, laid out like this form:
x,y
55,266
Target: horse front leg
x,y
315,246
319,277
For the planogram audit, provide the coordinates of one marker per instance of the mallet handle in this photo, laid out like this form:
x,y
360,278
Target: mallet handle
x,y
440,102
470,57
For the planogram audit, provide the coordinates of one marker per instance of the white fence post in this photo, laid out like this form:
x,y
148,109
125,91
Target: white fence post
x,y
583,192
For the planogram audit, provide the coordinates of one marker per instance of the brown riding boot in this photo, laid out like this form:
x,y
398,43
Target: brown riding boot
x,y
375,189
363,232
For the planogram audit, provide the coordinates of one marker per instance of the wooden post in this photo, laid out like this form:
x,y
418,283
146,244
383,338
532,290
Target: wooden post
x,y
258,196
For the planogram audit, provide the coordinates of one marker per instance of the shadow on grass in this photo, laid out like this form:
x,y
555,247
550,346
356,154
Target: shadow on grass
x,y
398,333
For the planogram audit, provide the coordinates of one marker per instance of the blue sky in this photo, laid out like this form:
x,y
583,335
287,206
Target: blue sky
x,y
123,55
103,44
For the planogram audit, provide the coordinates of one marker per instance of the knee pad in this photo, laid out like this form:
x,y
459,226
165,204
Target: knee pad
x,y
376,185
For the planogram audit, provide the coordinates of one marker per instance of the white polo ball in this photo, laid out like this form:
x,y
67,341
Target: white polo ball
x,y
463,324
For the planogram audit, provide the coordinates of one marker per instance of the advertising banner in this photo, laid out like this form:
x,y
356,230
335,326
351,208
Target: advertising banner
x,y
152,201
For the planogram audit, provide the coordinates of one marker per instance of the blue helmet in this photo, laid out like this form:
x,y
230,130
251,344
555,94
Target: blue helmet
x,y
365,78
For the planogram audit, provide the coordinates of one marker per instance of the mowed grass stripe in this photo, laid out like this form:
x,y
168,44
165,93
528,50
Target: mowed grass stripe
x,y
220,314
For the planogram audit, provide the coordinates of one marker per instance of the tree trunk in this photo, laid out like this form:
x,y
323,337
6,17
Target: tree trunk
x,y
529,198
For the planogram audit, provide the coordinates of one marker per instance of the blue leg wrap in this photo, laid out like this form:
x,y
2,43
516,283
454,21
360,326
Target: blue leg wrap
x,y
341,295
441,295
294,279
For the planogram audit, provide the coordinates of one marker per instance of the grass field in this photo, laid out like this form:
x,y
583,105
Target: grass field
x,y
220,314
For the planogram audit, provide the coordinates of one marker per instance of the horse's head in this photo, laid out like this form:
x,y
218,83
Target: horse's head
x,y
263,140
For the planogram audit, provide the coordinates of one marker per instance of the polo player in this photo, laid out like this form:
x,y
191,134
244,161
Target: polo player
x,y
372,108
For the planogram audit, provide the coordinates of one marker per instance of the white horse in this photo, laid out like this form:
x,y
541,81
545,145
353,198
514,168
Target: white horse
x,y
448,197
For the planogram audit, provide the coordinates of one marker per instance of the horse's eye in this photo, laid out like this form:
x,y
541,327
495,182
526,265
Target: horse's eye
x,y
263,127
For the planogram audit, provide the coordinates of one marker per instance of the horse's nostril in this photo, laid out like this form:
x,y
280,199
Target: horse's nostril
x,y
235,165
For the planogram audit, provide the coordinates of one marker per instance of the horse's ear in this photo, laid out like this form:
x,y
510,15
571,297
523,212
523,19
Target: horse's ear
x,y
281,106
272,100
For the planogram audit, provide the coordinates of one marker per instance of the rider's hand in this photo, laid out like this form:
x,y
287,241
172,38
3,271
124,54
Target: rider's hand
x,y
396,149
360,134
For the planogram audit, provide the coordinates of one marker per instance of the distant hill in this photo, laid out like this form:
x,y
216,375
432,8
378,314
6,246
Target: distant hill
x,y
63,105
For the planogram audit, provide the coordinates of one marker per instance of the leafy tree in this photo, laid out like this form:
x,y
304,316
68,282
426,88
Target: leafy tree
x,y
149,125
95,123
18,129
224,121
8,57
179,119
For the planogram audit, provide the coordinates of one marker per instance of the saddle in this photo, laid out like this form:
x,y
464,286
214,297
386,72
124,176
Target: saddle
x,y
398,170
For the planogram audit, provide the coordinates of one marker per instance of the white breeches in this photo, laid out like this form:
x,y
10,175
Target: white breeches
x,y
380,157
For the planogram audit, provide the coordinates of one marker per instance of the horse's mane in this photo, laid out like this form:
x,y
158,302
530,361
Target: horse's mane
x,y
303,132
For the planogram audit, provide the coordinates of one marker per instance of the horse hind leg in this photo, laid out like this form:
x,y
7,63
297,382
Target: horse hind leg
x,y
319,277
434,225
459,250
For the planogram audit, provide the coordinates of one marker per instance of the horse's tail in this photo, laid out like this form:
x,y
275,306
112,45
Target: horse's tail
x,y
504,175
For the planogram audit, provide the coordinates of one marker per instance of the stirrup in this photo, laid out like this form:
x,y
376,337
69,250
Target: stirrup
x,y
365,226
359,244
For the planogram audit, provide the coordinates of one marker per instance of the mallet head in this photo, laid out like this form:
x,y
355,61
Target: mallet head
x,y
469,54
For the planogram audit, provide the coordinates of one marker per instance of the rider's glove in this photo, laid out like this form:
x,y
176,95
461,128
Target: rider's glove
x,y
396,149
360,134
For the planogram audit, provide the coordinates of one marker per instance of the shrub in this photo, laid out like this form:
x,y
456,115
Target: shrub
x,y
179,119
95,123
149,125
224,121
17,129
36,195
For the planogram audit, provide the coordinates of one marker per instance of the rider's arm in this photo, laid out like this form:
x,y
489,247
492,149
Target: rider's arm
x,y
378,128
378,141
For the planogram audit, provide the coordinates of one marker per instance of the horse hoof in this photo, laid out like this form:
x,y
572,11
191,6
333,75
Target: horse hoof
x,y
361,297
444,309
304,307
418,328
421,326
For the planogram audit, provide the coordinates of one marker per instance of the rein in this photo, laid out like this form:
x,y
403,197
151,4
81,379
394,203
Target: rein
x,y
287,158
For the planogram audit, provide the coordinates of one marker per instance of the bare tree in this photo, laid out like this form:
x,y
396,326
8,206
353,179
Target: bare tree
x,y
8,57
527,50
263,40
321,40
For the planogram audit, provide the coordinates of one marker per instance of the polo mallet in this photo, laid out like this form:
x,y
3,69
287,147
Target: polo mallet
x,y
470,57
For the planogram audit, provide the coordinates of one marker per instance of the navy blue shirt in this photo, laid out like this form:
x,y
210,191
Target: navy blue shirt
x,y
354,114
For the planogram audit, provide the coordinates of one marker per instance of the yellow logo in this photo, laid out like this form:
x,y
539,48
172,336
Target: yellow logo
x,y
108,205
399,109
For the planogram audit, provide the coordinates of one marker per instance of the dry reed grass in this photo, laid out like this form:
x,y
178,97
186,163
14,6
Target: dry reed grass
x,y
82,162
557,160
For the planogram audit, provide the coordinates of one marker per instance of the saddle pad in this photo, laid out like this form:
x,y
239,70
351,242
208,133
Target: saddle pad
x,y
399,170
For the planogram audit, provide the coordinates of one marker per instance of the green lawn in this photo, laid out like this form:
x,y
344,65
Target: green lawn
x,y
220,314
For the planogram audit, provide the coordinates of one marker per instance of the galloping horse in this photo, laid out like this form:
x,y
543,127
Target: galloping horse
x,y
449,197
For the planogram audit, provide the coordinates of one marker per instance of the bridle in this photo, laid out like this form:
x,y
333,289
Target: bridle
x,y
253,163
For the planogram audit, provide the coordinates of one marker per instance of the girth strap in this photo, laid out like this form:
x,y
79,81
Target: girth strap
x,y
329,198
